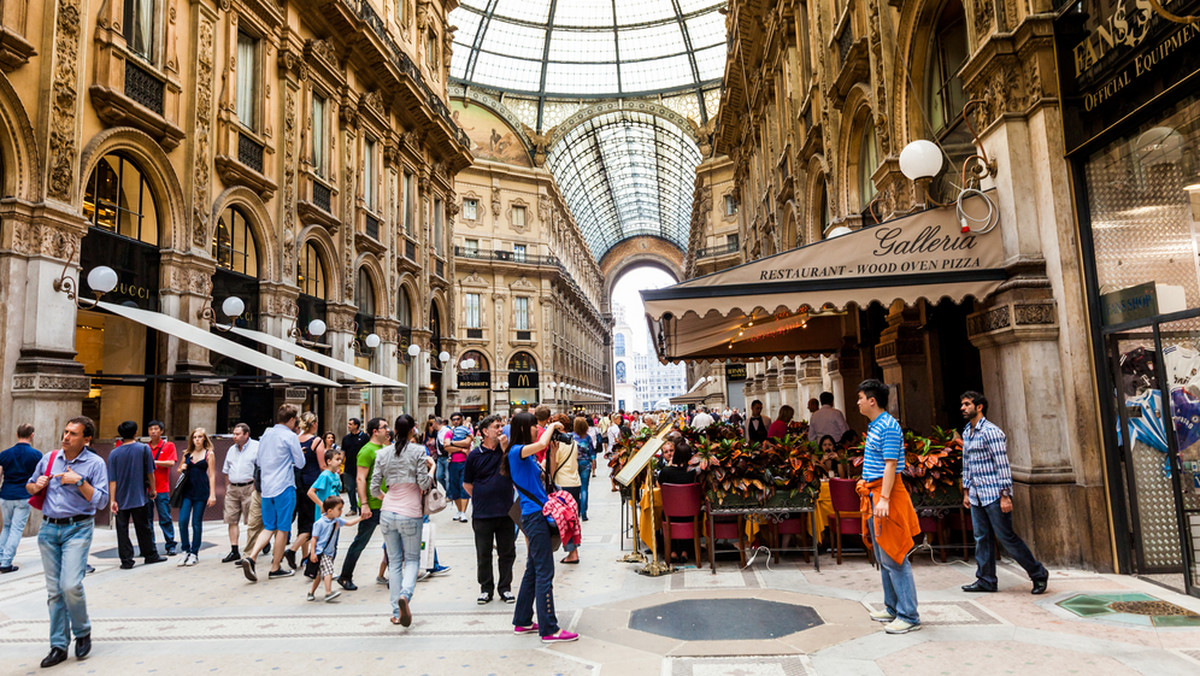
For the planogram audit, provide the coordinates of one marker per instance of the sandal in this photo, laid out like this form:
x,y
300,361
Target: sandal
x,y
395,620
568,562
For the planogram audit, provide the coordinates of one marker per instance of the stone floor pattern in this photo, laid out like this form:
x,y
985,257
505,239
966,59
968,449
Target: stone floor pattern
x,y
169,620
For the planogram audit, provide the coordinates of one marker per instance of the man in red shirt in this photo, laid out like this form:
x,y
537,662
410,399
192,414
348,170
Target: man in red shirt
x,y
164,458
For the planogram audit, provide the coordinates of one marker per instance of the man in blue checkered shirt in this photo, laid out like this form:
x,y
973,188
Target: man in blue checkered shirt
x,y
987,492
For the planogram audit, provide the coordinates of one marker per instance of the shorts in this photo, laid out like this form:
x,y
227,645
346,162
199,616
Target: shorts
x,y
277,512
325,565
237,504
305,515
454,487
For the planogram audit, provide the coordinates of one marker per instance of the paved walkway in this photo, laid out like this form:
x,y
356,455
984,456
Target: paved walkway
x,y
168,620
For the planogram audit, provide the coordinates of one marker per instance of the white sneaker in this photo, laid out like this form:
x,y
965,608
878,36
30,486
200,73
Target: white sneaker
x,y
183,561
899,626
882,616
193,559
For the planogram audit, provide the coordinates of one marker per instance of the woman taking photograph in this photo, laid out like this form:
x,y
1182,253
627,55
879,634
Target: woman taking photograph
x,y
314,463
538,582
405,467
199,469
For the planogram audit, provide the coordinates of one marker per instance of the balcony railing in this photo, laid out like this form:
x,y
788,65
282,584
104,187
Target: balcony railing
x,y
322,196
250,153
506,256
410,250
439,267
143,87
524,335
370,17
372,227
474,333
722,250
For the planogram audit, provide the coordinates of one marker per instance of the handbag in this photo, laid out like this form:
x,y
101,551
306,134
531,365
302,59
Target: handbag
x,y
177,490
434,500
38,500
555,536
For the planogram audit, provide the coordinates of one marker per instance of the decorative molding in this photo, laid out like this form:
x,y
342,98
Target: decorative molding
x,y
202,136
64,98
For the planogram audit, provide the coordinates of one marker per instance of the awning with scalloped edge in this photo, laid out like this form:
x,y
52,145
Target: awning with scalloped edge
x,y
796,302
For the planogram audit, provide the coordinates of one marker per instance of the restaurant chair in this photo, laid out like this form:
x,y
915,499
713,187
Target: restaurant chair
x,y
681,501
726,528
847,515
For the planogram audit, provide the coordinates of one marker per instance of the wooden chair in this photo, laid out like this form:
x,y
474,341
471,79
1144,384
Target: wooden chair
x,y
847,516
681,501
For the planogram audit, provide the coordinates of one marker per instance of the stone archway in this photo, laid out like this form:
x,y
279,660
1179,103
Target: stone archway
x,y
636,252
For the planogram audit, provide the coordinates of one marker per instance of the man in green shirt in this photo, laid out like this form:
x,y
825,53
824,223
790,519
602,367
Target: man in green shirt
x,y
378,429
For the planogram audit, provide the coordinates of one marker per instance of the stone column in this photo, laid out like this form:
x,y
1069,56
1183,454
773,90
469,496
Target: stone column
x,y
810,381
41,381
845,373
387,356
770,383
901,353
339,335
788,379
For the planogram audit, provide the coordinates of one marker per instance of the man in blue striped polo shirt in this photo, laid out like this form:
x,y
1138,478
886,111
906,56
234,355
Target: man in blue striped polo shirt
x,y
987,492
893,521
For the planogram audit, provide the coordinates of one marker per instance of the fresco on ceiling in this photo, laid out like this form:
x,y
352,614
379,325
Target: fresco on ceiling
x,y
491,137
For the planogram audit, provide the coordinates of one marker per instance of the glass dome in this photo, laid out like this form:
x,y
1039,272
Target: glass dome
x,y
589,48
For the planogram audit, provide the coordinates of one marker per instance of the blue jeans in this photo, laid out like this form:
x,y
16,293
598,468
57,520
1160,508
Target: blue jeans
x,y
537,584
899,587
16,513
990,519
64,552
162,503
454,489
585,477
402,539
193,511
443,472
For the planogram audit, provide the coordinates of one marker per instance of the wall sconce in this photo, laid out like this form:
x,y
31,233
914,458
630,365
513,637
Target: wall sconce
x,y
316,328
414,350
444,356
232,307
921,162
101,279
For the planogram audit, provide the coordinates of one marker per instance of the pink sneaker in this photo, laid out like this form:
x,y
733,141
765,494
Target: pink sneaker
x,y
561,637
531,629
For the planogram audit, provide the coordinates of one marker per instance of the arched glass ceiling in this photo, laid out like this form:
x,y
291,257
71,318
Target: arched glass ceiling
x,y
626,174
591,48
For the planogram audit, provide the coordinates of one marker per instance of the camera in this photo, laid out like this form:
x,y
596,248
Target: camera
x,y
562,437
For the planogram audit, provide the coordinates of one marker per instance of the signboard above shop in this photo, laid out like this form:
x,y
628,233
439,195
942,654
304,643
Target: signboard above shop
x,y
1115,57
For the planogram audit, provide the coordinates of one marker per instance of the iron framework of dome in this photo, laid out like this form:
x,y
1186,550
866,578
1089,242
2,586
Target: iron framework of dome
x,y
590,49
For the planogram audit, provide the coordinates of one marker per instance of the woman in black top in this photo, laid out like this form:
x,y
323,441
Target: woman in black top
x,y
314,463
677,472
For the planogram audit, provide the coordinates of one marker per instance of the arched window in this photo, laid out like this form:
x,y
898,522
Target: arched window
x,y
404,309
868,161
948,51
481,362
118,199
311,274
619,344
522,361
364,293
620,373
233,243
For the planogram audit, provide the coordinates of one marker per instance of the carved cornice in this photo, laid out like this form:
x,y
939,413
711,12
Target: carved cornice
x,y
1013,73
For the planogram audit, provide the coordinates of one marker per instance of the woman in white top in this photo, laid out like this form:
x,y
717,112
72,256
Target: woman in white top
x,y
405,467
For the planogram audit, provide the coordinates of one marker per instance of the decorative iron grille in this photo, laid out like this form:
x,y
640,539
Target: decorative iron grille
x,y
143,87
322,196
250,153
372,227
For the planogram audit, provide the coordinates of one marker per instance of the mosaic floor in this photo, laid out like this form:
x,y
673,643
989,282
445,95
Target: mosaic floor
x,y
786,621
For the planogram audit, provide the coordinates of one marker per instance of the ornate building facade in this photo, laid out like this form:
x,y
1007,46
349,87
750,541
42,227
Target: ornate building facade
x,y
298,155
528,291
819,100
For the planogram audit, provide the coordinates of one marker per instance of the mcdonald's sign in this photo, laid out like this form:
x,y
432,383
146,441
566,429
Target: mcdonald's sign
x,y
522,379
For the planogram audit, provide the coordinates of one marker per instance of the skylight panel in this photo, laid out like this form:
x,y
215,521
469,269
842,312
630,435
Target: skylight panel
x,y
514,40
582,13
583,46
507,72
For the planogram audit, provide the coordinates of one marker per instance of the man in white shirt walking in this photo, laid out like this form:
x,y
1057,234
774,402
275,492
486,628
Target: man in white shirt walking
x,y
279,454
240,461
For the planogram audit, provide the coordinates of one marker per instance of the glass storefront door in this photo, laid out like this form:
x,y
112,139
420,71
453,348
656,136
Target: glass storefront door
x,y
1157,438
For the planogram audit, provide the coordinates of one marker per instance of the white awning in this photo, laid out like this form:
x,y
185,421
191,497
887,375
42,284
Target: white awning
x,y
214,343
318,358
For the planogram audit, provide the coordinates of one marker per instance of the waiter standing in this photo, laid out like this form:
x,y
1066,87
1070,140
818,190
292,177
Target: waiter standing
x,y
76,486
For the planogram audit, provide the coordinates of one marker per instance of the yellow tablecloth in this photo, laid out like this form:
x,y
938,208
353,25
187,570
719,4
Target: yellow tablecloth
x,y
649,523
824,509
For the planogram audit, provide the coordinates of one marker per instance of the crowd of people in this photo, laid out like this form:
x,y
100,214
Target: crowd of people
x,y
525,475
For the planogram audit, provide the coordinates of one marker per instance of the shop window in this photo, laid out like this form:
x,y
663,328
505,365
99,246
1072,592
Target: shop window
x,y
1144,202
522,361
619,345
320,138
247,80
521,313
311,274
471,306
118,199
233,245
139,27
471,209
